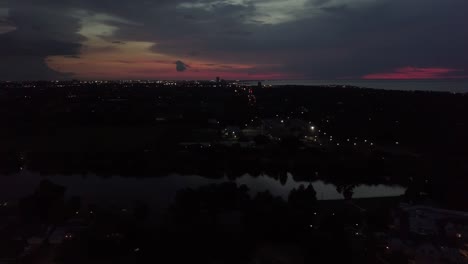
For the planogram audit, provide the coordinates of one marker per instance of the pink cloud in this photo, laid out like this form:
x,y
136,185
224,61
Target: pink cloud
x,y
407,73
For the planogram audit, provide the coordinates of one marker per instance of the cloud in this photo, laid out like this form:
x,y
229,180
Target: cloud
x,y
181,66
39,33
301,38
6,27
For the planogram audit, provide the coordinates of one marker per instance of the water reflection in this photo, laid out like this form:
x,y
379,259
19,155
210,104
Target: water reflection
x,y
325,191
160,191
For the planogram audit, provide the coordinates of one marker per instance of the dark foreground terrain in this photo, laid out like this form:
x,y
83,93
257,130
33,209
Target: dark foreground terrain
x,y
345,136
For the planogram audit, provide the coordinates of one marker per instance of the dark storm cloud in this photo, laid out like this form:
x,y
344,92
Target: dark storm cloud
x,y
339,41
181,66
40,32
322,39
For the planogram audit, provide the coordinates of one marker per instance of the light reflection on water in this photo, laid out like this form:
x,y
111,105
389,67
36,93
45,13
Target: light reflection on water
x,y
160,191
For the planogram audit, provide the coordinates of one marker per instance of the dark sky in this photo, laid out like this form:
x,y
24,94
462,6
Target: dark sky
x,y
234,39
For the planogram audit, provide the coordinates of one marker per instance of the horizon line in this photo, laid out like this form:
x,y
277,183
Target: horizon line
x,y
232,80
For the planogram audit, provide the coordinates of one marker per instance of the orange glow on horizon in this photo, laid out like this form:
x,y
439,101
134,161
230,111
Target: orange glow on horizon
x,y
112,68
105,58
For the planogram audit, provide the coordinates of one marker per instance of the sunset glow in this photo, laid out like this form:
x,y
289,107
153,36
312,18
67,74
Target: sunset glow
x,y
232,39
408,73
